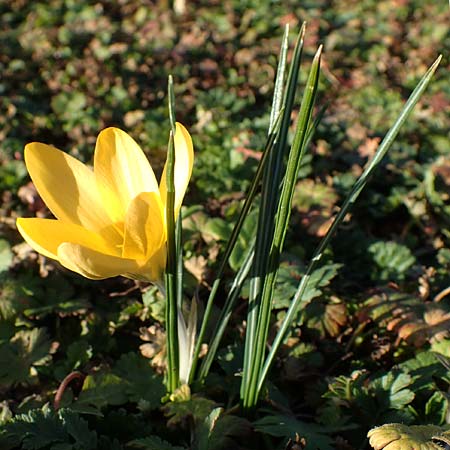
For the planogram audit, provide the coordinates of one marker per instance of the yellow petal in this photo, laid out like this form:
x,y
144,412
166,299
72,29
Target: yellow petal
x,y
93,264
144,226
68,188
46,235
122,171
151,269
96,265
184,160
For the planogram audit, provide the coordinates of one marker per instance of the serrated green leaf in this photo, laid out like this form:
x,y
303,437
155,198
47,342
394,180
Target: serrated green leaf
x,y
207,427
197,408
12,298
347,388
218,431
26,349
142,383
105,443
288,427
78,429
156,304
218,228
153,443
436,408
401,382
41,428
441,351
287,282
77,355
392,260
99,391
36,429
392,389
52,296
402,398
132,380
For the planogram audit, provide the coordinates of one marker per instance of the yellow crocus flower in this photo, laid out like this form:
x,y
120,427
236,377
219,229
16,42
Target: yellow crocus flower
x,y
110,220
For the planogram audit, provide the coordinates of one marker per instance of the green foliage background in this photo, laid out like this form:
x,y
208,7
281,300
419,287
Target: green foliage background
x,y
361,353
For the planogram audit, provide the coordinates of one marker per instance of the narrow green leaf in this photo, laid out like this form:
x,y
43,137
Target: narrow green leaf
x,y
171,267
171,94
270,192
232,242
281,224
226,312
179,258
351,198
279,81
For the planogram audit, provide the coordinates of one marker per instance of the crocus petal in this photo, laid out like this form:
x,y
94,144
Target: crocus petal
x,y
68,188
122,171
93,264
46,235
144,226
97,266
151,269
184,160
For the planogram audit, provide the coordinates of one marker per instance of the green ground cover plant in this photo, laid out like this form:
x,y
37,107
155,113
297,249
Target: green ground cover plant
x,y
84,364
